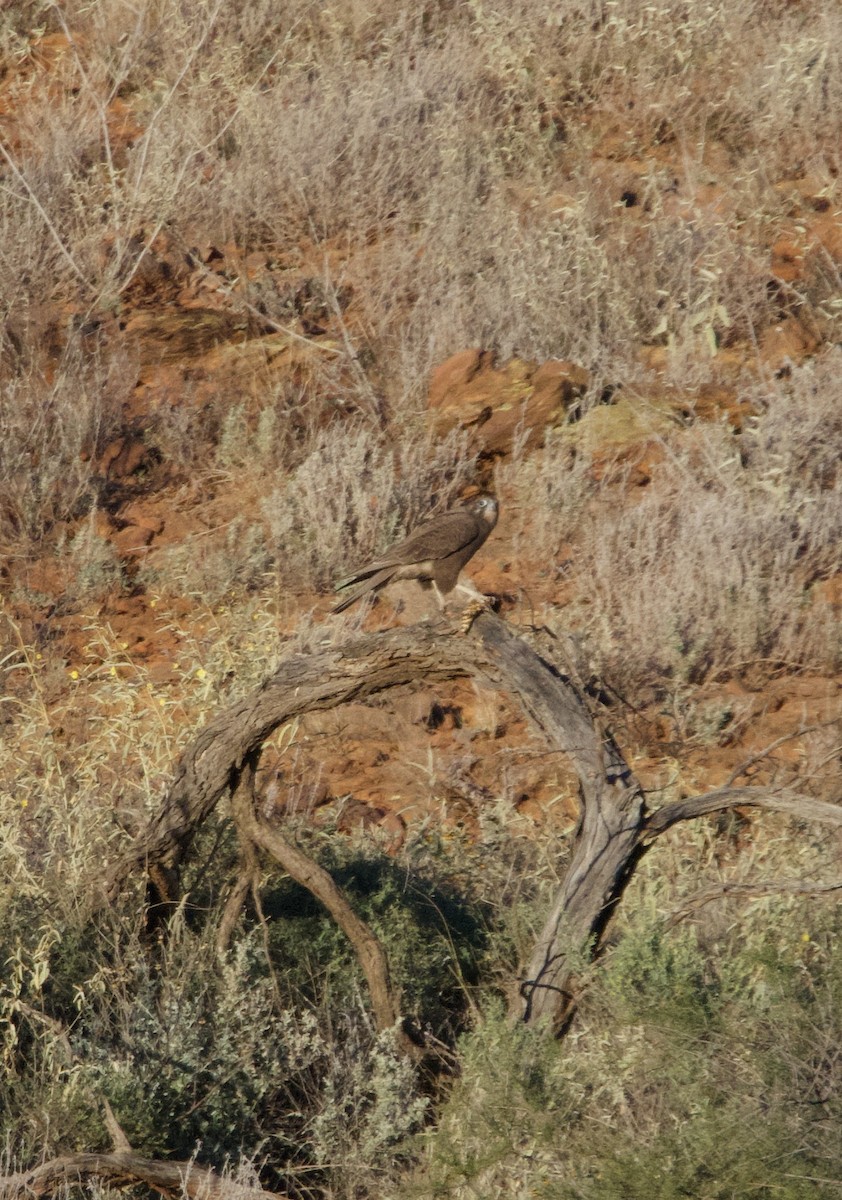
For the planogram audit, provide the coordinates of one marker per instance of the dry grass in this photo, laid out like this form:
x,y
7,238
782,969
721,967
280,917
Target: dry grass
x,y
720,562
56,417
461,170
588,183
452,157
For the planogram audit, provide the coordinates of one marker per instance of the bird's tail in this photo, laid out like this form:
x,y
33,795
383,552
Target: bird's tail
x,y
371,584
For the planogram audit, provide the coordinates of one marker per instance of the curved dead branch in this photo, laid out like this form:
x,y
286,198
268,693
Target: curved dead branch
x,y
302,684
736,890
781,800
305,871
614,832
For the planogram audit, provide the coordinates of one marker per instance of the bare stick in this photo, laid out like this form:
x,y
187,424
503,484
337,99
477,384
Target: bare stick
x,y
778,800
243,884
727,891
304,870
767,751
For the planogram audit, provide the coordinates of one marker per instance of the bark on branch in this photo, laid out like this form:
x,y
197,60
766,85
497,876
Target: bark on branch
x,y
302,684
727,891
305,871
783,800
614,832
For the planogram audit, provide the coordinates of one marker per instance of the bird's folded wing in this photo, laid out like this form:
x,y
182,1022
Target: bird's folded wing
x,y
435,539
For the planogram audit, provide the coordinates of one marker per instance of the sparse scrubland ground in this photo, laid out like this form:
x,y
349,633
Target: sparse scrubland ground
x,y
236,240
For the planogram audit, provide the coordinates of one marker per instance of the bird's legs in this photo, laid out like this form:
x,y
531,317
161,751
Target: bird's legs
x,y
478,604
467,588
471,591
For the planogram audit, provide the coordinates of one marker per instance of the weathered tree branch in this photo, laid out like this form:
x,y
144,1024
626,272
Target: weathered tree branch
x,y
608,845
727,891
243,884
615,830
119,1141
170,1179
304,870
302,684
782,800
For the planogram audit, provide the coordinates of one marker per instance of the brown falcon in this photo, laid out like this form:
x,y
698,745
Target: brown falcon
x,y
435,552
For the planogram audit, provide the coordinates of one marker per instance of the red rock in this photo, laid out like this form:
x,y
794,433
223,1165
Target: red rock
x,y
826,231
122,457
123,127
103,524
130,540
503,407
454,373
789,341
140,513
787,259
47,576
829,591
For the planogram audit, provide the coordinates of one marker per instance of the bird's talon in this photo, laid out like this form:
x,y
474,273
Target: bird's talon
x,y
470,614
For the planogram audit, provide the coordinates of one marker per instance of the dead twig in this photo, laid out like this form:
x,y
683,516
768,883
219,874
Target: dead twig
x,y
728,891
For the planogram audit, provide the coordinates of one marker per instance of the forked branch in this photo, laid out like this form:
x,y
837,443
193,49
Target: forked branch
x,y
305,871
614,833
737,890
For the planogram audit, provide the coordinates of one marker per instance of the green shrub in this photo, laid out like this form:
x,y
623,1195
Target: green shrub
x,y
706,1073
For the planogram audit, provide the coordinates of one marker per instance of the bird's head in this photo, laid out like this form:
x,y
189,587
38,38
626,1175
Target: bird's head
x,y
486,508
